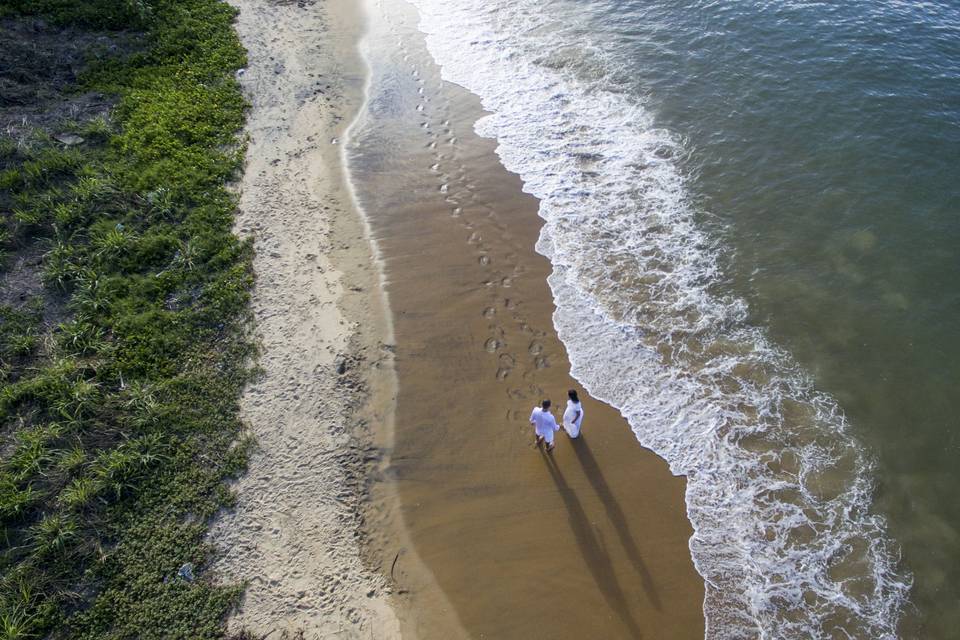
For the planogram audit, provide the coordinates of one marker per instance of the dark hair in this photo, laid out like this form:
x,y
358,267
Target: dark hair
x,y
572,394
545,404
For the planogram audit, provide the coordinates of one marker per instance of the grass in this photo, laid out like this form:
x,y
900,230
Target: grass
x,y
119,427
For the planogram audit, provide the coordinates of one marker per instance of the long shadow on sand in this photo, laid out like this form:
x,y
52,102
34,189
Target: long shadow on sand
x,y
592,549
592,470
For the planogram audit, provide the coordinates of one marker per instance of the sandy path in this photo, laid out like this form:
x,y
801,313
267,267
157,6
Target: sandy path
x,y
297,533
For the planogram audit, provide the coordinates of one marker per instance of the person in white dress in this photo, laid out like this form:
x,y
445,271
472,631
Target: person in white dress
x,y
544,424
573,416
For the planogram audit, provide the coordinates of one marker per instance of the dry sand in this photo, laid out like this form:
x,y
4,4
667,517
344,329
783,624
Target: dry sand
x,y
298,532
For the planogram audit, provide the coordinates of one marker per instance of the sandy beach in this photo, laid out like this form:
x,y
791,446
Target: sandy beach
x,y
394,491
590,541
298,534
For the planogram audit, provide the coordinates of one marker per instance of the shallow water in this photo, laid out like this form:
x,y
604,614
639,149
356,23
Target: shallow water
x,y
751,210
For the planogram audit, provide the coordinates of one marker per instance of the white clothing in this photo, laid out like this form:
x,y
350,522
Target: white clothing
x,y
573,426
544,424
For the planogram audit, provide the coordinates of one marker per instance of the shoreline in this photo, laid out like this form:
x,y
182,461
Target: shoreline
x,y
352,528
476,347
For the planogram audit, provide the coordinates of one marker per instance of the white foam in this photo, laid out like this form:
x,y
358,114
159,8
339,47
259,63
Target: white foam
x,y
778,491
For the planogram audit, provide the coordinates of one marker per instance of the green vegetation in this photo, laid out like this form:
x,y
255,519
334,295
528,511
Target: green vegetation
x,y
110,14
118,426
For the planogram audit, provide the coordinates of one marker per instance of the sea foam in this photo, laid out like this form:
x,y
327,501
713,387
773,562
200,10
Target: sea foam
x,y
778,491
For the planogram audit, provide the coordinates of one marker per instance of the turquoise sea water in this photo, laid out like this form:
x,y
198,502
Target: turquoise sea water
x,y
759,202
825,139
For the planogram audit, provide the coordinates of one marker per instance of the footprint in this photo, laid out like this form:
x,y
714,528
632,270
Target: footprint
x,y
489,312
535,348
502,373
509,304
444,188
506,282
506,360
484,260
456,211
491,345
541,362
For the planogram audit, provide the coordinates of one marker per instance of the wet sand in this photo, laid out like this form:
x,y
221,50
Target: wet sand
x,y
587,542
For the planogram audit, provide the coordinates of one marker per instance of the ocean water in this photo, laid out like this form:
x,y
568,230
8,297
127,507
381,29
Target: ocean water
x,y
753,215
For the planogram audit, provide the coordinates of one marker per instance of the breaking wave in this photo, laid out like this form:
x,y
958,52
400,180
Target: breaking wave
x,y
778,490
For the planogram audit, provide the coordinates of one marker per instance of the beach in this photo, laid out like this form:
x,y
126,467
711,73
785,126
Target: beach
x,y
590,540
298,534
439,520
285,283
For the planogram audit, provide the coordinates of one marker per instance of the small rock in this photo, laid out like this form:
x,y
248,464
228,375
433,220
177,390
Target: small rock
x,y
186,571
69,139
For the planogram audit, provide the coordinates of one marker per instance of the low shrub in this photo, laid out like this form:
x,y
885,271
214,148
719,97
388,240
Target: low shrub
x,y
120,423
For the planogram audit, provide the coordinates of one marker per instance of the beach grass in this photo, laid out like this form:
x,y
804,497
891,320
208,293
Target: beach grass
x,y
119,382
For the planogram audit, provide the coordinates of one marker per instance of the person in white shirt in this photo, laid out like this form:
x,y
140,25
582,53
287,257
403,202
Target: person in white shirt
x,y
544,424
573,416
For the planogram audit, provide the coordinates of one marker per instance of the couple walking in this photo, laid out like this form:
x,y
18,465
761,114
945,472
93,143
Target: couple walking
x,y
545,424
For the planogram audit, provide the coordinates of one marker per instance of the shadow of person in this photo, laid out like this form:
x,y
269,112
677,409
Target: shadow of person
x,y
597,559
592,470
